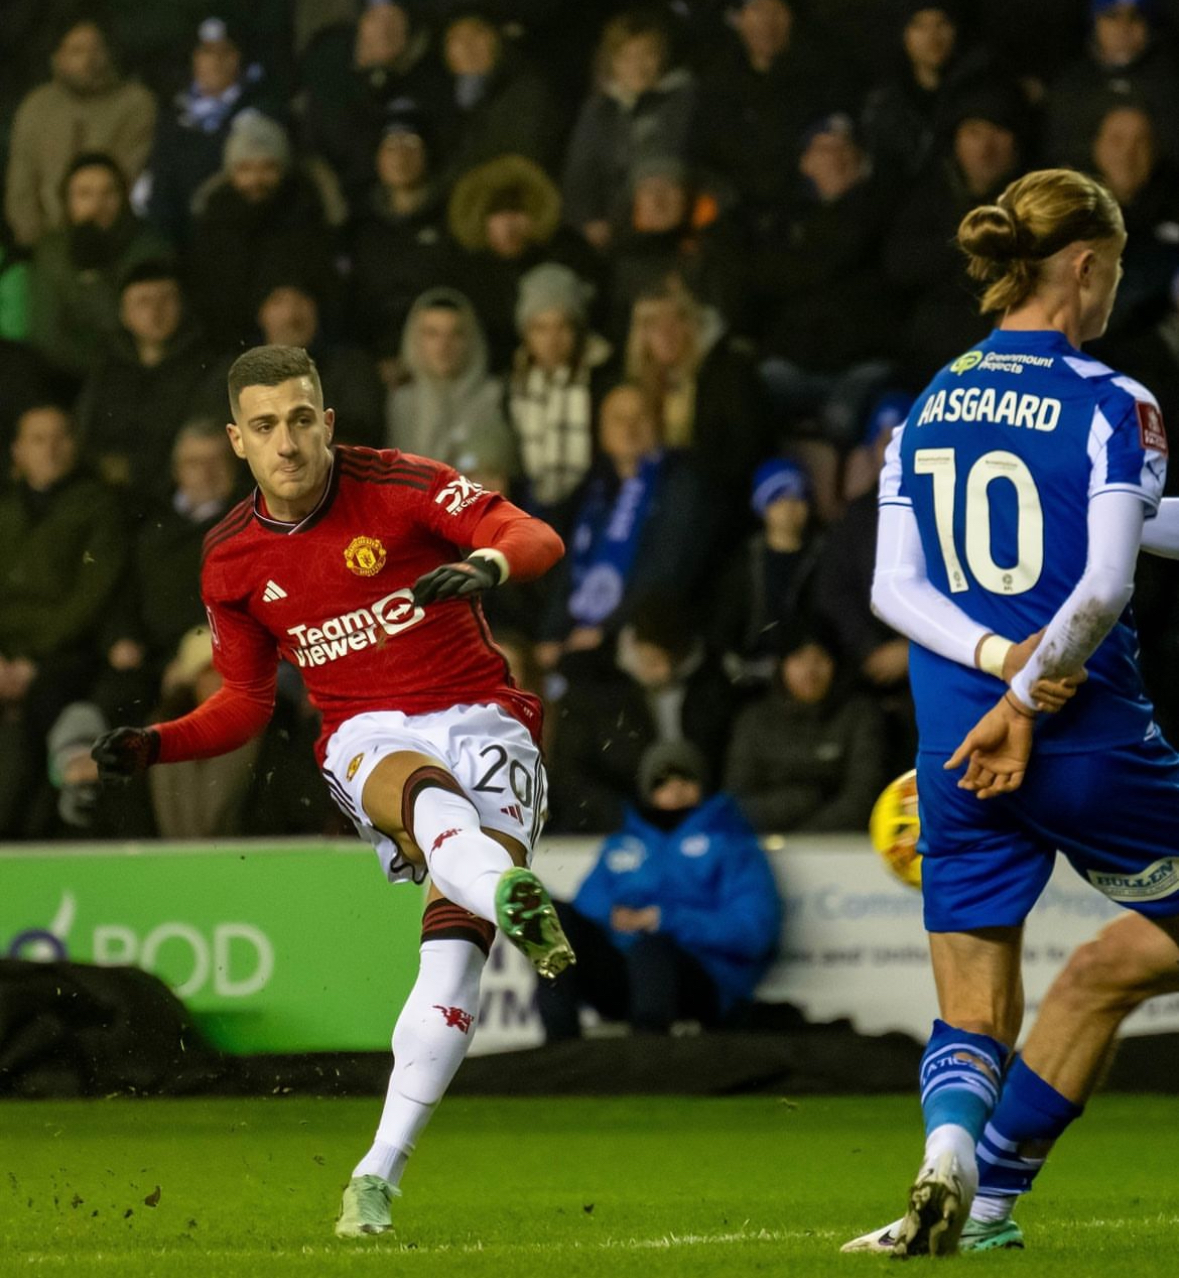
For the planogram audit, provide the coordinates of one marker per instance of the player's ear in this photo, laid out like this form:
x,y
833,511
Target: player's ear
x,y
329,420
235,438
1083,265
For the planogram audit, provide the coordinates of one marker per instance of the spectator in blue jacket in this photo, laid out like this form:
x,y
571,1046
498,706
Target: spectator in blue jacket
x,y
678,919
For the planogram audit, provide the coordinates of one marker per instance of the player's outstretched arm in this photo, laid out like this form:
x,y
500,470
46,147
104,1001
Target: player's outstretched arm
x,y
1160,535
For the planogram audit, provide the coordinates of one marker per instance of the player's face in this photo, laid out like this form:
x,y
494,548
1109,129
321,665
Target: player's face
x,y
150,310
551,338
94,195
43,451
282,432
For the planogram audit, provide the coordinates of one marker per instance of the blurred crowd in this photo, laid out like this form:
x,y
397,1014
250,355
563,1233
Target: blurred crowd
x,y
666,275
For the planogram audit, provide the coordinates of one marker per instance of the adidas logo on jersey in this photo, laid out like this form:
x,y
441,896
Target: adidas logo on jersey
x,y
514,811
273,591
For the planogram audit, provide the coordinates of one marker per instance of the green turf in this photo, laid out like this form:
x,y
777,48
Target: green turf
x,y
645,1186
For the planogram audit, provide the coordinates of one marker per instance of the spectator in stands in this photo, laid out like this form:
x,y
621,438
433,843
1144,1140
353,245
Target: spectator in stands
x,y
190,136
766,585
842,607
62,554
828,320
156,369
550,400
262,216
757,99
496,104
389,63
642,107
644,522
678,919
451,409
85,108
1126,58
661,685
289,316
505,216
399,243
809,754
77,269
711,400
920,256
1146,185
903,116
675,226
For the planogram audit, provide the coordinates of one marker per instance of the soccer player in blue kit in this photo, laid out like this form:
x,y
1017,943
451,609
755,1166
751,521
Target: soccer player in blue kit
x,y
1013,501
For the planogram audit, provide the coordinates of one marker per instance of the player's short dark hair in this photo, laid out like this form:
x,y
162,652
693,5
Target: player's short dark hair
x,y
270,366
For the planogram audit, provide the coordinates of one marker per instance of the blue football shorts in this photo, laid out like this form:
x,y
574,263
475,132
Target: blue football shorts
x,y
1114,812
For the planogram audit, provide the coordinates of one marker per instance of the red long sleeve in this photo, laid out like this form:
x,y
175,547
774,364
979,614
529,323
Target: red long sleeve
x,y
230,717
529,545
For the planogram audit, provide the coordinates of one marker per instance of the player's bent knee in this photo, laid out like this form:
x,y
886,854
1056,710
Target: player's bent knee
x,y
442,920
1101,973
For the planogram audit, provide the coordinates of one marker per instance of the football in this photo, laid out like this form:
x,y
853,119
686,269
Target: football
x,y
894,826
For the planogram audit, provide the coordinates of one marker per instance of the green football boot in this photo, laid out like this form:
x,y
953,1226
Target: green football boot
x,y
526,916
991,1235
365,1208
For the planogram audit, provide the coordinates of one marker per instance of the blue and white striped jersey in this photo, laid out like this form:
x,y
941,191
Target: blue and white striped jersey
x,y
998,459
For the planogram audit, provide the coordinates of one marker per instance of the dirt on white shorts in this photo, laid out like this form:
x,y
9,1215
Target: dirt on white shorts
x,y
491,755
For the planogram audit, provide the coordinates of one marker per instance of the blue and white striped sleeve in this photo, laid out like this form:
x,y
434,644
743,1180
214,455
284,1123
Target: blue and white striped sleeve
x,y
1127,444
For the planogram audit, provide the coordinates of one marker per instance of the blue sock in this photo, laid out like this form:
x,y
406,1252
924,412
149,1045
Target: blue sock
x,y
960,1078
1026,1122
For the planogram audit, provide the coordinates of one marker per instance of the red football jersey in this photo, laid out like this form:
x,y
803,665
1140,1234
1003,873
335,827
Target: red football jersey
x,y
333,594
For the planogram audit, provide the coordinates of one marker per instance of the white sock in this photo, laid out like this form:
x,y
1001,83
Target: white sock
x,y
431,1038
464,863
949,1136
992,1208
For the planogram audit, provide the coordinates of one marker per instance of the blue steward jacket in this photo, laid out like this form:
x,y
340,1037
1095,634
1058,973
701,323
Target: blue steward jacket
x,y
712,883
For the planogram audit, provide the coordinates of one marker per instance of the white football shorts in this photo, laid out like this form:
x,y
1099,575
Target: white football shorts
x,y
491,755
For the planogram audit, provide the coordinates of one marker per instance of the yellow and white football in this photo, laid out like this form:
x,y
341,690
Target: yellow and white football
x,y
894,826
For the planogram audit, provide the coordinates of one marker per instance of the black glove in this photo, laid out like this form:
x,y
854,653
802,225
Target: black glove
x,y
123,753
452,581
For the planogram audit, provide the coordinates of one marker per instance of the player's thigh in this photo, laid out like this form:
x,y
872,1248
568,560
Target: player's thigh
x,y
979,987
981,867
1115,815
383,796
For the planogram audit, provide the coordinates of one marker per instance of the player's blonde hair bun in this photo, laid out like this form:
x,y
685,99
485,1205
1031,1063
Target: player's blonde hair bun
x,y
1008,242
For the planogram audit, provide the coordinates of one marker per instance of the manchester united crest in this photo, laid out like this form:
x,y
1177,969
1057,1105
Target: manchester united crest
x,y
365,556
354,765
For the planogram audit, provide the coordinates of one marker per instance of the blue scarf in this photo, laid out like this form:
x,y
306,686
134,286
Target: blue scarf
x,y
606,539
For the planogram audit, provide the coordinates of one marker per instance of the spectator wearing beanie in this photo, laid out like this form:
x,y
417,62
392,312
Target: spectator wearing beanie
x,y
505,217
400,245
191,133
84,108
262,216
766,585
354,75
679,917
642,107
1126,58
809,754
550,400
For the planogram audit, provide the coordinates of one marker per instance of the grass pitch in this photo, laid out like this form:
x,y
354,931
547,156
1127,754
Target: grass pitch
x,y
633,1186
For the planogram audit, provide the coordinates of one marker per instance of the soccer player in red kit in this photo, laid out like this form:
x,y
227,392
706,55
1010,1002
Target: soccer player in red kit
x,y
346,562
